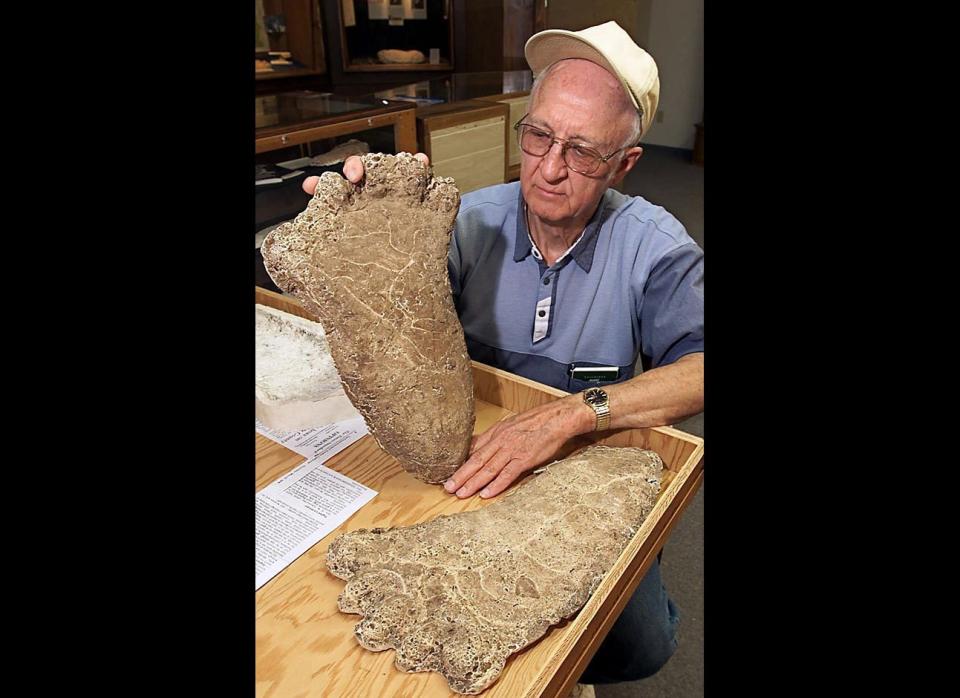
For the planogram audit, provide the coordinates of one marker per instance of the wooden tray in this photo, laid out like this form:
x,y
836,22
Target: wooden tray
x,y
305,646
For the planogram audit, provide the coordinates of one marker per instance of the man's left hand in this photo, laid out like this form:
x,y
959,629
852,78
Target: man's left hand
x,y
515,445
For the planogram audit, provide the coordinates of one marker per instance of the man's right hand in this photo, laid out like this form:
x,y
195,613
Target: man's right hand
x,y
353,171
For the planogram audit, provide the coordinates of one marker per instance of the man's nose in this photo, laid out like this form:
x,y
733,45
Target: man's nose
x,y
553,168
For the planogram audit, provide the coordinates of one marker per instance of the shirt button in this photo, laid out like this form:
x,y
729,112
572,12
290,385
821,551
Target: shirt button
x,y
541,313
546,282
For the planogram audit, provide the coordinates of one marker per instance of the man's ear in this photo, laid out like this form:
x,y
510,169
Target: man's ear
x,y
629,159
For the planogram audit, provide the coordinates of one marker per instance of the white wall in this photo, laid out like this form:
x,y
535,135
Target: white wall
x,y
575,15
672,31
675,40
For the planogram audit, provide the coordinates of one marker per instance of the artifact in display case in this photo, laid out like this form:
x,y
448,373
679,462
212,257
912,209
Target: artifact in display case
x,y
396,35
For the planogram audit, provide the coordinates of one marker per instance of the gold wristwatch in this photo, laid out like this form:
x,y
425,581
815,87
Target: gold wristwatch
x,y
598,400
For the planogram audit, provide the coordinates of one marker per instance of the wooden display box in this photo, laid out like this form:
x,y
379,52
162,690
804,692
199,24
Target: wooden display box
x,y
305,646
467,140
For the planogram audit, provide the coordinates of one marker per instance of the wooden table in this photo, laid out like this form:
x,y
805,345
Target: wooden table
x,y
306,647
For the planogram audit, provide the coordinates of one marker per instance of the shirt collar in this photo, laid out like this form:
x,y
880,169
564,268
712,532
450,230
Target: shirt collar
x,y
535,251
582,251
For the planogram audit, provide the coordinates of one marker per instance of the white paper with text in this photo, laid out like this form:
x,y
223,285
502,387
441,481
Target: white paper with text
x,y
319,442
298,510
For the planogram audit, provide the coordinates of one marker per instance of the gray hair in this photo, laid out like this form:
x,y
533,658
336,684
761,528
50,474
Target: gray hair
x,y
636,125
636,130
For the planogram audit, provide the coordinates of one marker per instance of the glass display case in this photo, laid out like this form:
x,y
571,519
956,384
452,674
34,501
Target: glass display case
x,y
457,87
292,118
385,36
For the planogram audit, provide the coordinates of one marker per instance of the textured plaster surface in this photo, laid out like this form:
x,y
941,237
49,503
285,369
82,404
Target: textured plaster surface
x,y
371,262
296,383
461,593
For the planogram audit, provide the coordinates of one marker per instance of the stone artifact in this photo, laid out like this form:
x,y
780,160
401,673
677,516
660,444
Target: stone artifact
x,y
297,386
459,594
393,55
371,262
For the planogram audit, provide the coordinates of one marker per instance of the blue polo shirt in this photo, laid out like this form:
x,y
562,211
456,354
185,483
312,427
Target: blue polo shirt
x,y
631,286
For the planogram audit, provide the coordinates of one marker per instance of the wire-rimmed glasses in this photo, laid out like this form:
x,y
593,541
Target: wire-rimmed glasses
x,y
536,141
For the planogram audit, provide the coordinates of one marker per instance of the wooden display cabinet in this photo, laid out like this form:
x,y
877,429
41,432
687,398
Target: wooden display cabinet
x,y
518,104
466,140
296,118
506,25
460,95
303,38
354,40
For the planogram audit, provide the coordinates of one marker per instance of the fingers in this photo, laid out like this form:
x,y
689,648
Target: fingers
x,y
485,474
310,185
468,469
353,169
509,473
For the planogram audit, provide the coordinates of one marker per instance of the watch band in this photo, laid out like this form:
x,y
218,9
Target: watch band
x,y
603,416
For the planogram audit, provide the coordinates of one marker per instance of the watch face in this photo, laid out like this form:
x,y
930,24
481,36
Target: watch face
x,y
594,396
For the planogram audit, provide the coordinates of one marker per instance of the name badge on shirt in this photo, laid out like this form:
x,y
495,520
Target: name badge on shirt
x,y
595,374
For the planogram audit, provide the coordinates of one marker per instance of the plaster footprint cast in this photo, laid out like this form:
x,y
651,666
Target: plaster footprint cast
x,y
461,593
371,262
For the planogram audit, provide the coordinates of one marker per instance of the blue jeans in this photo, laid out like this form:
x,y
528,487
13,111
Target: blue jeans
x,y
642,639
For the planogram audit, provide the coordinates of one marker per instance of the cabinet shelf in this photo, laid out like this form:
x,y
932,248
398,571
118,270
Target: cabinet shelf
x,y
291,73
397,67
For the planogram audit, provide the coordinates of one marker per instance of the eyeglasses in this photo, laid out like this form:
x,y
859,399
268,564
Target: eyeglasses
x,y
580,158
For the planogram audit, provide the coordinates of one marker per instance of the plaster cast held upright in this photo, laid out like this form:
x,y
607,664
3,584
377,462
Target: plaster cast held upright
x,y
370,260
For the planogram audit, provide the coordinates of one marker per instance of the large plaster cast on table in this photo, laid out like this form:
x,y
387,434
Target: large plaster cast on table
x,y
459,594
370,260
297,386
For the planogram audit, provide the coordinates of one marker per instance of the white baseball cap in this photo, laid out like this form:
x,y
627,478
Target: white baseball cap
x,y
610,47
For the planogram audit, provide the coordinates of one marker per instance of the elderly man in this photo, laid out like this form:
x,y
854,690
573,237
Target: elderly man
x,y
563,280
